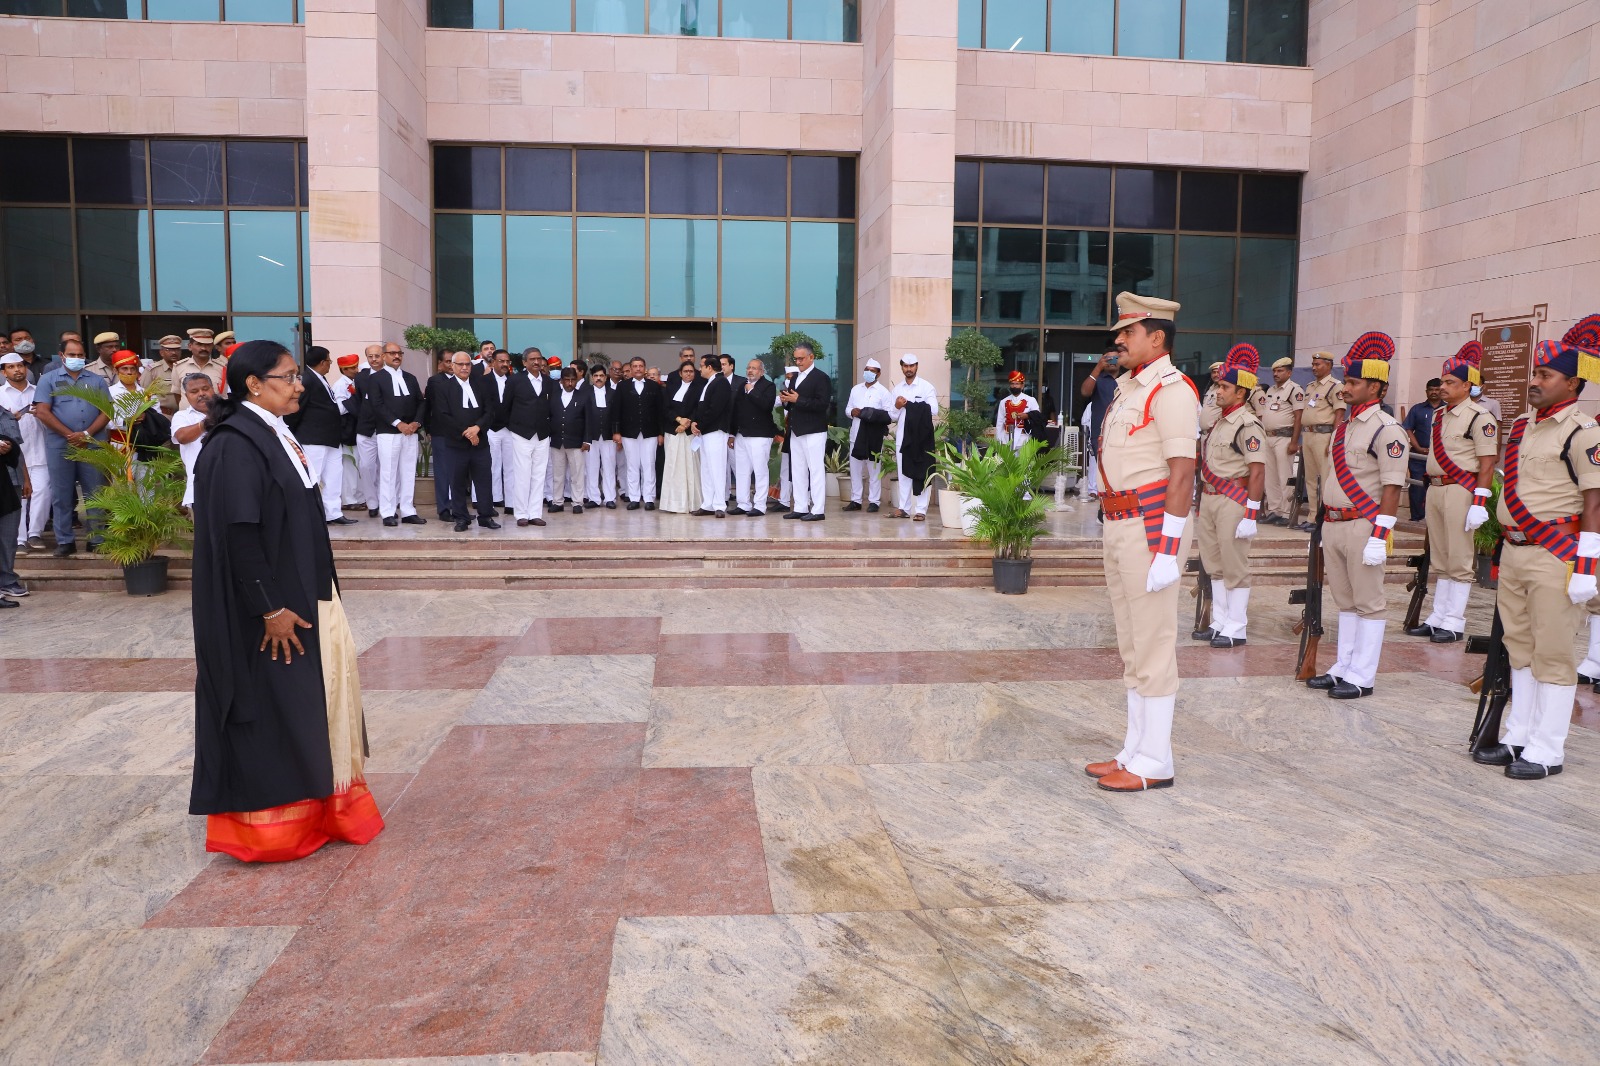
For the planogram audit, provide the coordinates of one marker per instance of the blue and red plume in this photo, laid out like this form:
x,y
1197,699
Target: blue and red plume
x,y
1369,357
1467,364
1585,335
1241,366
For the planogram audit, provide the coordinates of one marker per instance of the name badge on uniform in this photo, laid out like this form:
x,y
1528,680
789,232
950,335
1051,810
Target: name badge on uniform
x,y
1274,406
1311,401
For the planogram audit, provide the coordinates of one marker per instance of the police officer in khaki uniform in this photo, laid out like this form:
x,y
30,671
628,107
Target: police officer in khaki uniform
x,y
1279,406
1209,411
1232,472
1461,456
1324,409
1550,511
201,361
106,346
222,340
159,374
1369,469
1147,464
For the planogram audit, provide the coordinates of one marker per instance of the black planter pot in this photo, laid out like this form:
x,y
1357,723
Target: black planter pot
x,y
148,578
1484,565
1011,576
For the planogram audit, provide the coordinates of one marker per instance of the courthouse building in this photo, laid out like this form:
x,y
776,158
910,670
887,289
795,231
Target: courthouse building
x,y
631,175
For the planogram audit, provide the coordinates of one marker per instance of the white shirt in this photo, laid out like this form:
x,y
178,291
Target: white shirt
x,y
638,386
399,379
291,446
600,397
500,384
798,378
118,390
1015,437
339,387
682,388
919,391
20,403
468,400
191,451
537,381
566,397
863,396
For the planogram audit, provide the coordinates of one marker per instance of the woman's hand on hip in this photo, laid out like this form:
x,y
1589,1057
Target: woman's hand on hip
x,y
280,634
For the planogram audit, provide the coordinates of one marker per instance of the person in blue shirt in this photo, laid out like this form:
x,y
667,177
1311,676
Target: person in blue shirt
x,y
1418,425
70,420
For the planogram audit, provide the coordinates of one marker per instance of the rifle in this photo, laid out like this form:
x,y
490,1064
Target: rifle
x,y
1309,598
1418,586
1493,688
1202,589
1301,499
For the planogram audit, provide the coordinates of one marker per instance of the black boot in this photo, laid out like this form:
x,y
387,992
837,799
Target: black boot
x,y
1344,690
1498,755
1523,770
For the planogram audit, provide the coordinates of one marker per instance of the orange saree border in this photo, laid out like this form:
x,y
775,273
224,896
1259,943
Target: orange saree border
x,y
295,830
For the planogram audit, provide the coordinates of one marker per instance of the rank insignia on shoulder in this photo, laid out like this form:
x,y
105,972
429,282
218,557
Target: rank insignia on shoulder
x,y
1594,455
1490,429
1397,449
1253,444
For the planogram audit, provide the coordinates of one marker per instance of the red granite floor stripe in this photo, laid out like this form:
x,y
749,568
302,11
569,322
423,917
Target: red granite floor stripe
x,y
695,845
96,675
590,636
433,662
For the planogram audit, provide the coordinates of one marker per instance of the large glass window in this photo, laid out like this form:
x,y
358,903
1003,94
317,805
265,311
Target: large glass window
x,y
191,267
1253,31
261,246
822,270
37,243
114,259
683,266
539,264
753,269
610,266
164,10
800,20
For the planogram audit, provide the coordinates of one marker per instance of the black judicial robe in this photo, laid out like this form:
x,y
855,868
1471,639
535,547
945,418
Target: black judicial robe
x,y
261,727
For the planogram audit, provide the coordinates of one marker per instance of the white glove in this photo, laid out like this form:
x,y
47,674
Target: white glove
x,y
1477,515
1245,529
1580,587
1376,553
1163,572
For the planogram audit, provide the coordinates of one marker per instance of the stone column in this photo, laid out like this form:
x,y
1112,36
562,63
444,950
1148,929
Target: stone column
x,y
907,184
366,122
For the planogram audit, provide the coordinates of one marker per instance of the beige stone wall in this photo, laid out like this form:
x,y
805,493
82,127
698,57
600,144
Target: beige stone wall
x,y
1455,169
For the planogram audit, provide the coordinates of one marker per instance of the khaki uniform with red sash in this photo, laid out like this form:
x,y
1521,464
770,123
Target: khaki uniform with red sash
x,y
1210,410
1236,441
1324,401
1276,407
1369,452
1462,435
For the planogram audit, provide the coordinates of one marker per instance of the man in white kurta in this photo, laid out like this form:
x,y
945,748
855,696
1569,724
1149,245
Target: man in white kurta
x,y
1011,416
866,476
16,396
912,390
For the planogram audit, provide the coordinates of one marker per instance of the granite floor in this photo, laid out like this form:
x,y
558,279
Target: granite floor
x,y
748,827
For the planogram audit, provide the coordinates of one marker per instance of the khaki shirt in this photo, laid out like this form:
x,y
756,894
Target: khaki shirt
x,y
1470,433
1210,409
1276,406
1235,442
1376,448
102,371
184,367
1543,483
1132,455
1324,401
160,376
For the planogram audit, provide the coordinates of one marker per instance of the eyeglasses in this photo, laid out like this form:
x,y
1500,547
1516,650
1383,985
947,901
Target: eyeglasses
x,y
280,377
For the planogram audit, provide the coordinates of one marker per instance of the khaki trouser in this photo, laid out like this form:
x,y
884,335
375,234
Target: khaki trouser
x,y
1147,622
1316,455
1539,619
1355,585
1280,464
1449,544
1225,557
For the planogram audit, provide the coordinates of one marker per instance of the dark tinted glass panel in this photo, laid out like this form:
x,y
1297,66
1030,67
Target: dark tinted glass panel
x,y
538,179
114,259
1076,273
186,172
611,182
1205,281
261,173
683,183
30,8
1276,32
1013,192
1080,196
466,178
108,172
1020,348
34,170
964,287
1210,201
1193,353
1271,203
824,186
1011,273
466,14
97,9
305,174
37,245
755,185
1266,284
967,191
1147,199
1142,263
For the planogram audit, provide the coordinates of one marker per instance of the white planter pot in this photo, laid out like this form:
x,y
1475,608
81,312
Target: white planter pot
x,y
969,515
831,486
957,511
842,485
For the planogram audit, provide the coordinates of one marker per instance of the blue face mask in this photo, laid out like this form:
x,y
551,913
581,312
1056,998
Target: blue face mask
x,y
869,376
74,363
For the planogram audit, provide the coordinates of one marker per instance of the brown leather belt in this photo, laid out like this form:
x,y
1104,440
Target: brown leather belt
x,y
1318,429
1286,431
1340,514
1115,506
1206,489
1434,481
1515,535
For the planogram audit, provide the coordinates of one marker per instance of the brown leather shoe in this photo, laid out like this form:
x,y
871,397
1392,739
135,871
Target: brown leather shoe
x,y
1101,769
1123,781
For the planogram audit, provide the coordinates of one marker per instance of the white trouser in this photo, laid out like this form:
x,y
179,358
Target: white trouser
x,y
1236,618
750,472
367,462
714,471
327,466
1590,667
810,476
499,461
350,477
601,470
1147,747
1540,720
785,481
530,463
567,467
869,471
639,468
904,500
397,474
1449,605
35,510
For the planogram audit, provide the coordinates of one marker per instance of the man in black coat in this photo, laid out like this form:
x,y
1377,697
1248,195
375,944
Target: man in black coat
x,y
461,409
499,378
528,420
366,431
753,430
572,427
319,428
443,473
398,412
713,418
601,461
809,398
639,415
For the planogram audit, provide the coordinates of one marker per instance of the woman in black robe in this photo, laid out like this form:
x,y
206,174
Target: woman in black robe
x,y
279,736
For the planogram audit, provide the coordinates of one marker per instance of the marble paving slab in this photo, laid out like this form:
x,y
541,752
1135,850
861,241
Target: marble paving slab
x,y
404,727
542,1058
566,689
92,734
738,726
758,990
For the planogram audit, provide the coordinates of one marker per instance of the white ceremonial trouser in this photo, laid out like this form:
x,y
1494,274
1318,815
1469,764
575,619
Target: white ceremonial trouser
x,y
904,500
397,474
530,464
1590,667
327,466
1540,719
1147,748
810,475
639,468
714,471
785,482
499,461
1238,613
567,467
367,463
350,478
869,471
750,472
601,468
35,510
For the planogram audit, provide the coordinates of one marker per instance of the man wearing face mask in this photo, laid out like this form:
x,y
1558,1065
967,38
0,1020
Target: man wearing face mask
x,y
16,396
22,343
909,504
1011,418
866,476
70,421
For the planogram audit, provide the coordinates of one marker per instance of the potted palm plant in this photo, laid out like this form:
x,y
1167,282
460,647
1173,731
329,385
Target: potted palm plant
x,y
1009,502
1486,541
142,498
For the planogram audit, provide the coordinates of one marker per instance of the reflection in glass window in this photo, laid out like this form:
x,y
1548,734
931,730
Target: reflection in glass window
x,y
1011,275
467,259
261,173
285,329
1142,263
838,350
1277,32
1082,27
1021,350
964,280
1271,203
969,31
86,9
822,269
1213,30
191,269
683,183
1149,28
1013,192
260,11
305,259
753,340
35,170
610,16
755,185
466,178
967,173
38,258
826,20
753,274
537,179
1076,273
261,246
683,267
1015,25
480,14
1205,281
756,18
1080,196
610,181
552,336
1266,283
1210,201
108,171
824,186
1193,353
186,172
1271,346
684,18
1147,199
114,259
539,264
553,15
610,266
